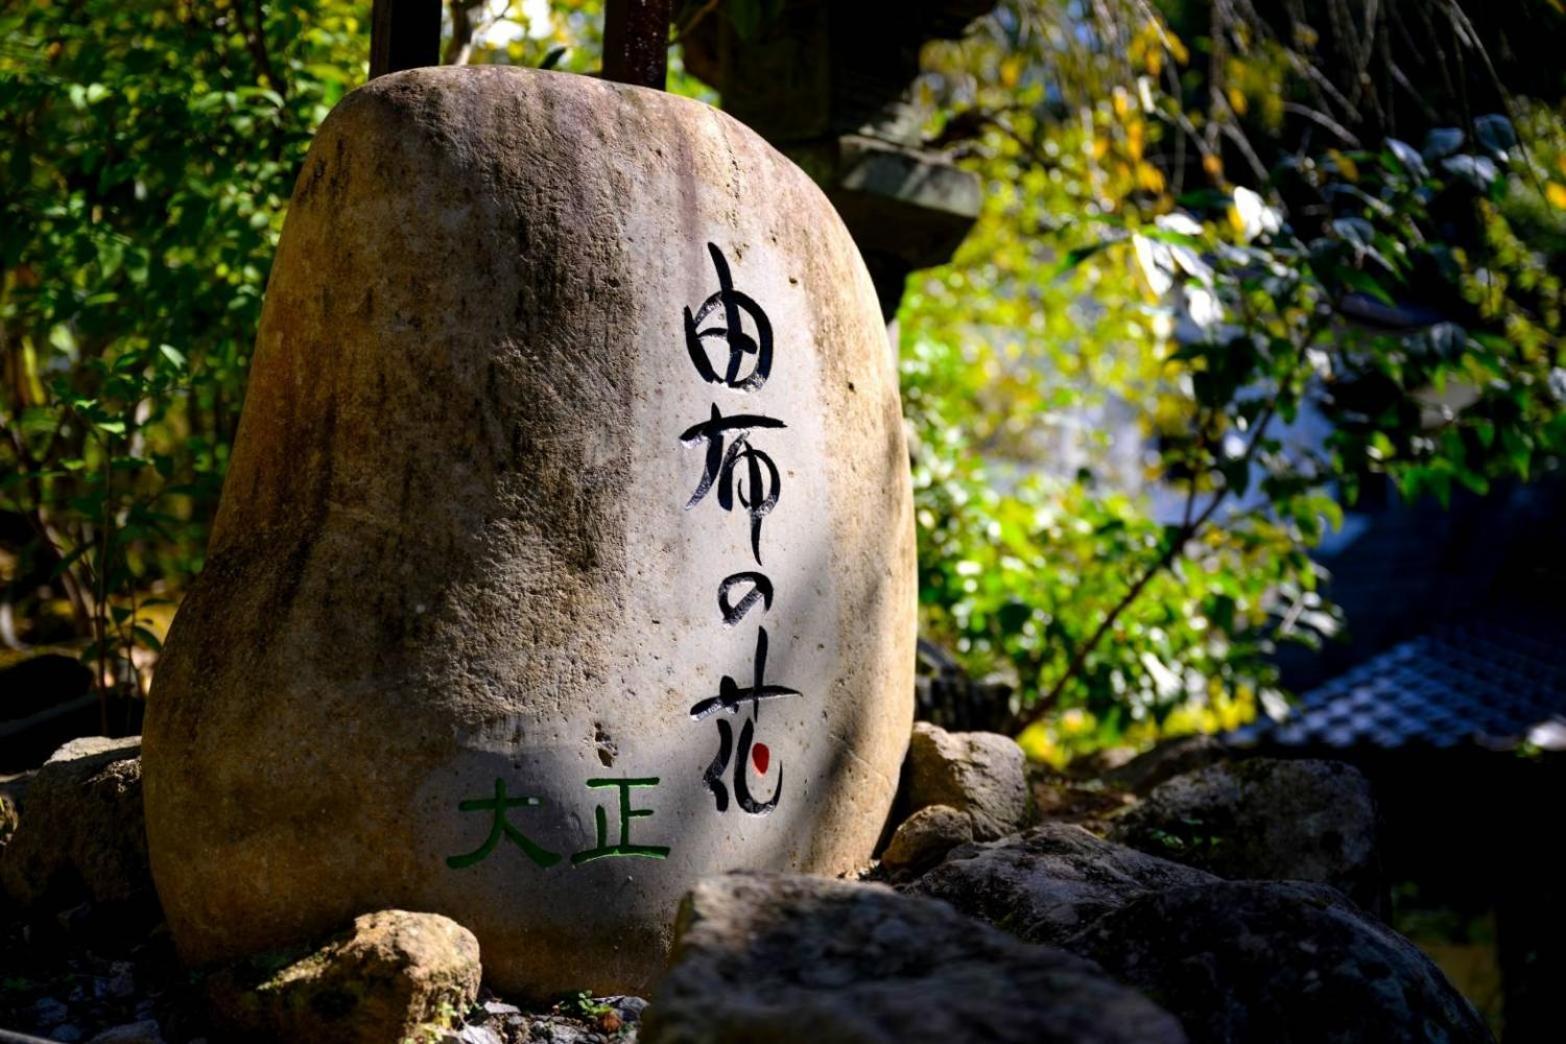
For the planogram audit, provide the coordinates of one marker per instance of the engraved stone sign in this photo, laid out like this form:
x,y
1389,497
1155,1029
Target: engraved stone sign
x,y
566,553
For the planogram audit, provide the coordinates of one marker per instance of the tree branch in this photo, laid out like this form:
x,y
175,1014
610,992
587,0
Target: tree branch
x,y
1187,532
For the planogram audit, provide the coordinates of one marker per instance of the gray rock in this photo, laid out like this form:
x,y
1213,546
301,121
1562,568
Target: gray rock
x,y
474,1035
559,1031
145,1032
1273,962
81,835
1049,883
122,980
924,838
50,1011
1264,819
981,774
628,1008
769,959
461,561
1173,757
389,976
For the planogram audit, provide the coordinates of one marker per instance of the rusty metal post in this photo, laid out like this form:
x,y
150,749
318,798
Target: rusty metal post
x,y
636,42
404,34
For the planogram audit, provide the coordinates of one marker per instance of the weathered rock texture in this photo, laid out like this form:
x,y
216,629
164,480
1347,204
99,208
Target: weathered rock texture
x,y
1051,882
1174,757
771,959
1266,819
81,835
924,838
982,774
390,975
454,551
1269,961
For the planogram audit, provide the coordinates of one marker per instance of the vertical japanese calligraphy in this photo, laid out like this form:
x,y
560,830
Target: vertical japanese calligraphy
x,y
743,474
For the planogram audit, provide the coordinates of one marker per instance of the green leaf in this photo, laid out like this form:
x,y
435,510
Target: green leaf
x,y
1357,279
1076,255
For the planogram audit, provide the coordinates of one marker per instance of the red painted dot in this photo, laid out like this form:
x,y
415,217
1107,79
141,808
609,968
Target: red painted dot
x,y
760,756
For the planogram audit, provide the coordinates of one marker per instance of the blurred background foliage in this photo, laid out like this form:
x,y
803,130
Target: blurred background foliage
x,y
1234,262
1289,250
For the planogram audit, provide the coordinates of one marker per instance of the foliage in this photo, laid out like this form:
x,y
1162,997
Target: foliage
x,y
147,150
1184,235
1111,384
147,153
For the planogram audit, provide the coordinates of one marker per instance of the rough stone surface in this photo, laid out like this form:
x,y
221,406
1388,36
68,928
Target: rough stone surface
x,y
1049,883
1277,961
924,838
81,835
980,773
392,973
1174,757
769,959
147,1031
1264,819
10,818
454,546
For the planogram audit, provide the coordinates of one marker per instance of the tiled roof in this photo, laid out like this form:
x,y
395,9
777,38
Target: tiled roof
x,y
1487,684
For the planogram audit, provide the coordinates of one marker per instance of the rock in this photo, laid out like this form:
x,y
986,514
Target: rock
x,y
50,1011
474,1035
390,974
1269,961
1050,882
982,774
925,837
1172,757
560,1031
144,1032
628,1008
9,817
1263,819
768,959
82,835
121,982
461,634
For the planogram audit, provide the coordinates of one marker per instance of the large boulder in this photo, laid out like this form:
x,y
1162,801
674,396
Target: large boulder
x,y
1051,882
386,979
980,774
1265,819
80,834
566,554
1274,962
773,959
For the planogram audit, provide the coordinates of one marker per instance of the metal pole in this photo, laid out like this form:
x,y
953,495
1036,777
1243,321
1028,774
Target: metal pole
x,y
636,42
404,34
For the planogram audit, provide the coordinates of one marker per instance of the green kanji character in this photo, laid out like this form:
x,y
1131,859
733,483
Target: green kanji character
x,y
627,813
501,826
